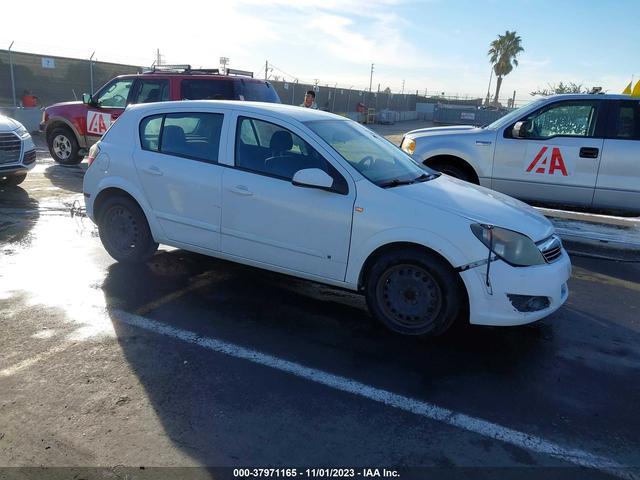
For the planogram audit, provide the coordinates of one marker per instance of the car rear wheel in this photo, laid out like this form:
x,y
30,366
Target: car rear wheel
x,y
124,231
64,147
414,293
13,180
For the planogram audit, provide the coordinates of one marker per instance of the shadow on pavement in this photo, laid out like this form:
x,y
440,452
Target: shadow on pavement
x,y
18,214
67,177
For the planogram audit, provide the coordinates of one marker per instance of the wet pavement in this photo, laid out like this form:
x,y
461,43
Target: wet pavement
x,y
189,361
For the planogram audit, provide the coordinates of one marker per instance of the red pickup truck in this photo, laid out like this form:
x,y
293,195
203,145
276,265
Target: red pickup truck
x,y
71,128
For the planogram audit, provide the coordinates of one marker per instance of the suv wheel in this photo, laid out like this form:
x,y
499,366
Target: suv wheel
x,y
124,231
12,180
414,293
64,147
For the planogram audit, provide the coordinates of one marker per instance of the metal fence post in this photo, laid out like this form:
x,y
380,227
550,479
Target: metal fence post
x,y
13,82
91,70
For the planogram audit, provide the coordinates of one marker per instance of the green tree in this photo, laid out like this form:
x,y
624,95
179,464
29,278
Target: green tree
x,y
553,89
503,54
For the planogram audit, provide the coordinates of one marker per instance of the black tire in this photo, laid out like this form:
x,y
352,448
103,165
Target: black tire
x,y
63,146
13,180
413,292
454,171
124,231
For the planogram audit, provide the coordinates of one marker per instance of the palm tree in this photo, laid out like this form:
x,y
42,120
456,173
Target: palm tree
x,y
502,55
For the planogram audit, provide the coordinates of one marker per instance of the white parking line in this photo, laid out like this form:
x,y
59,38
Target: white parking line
x,y
487,429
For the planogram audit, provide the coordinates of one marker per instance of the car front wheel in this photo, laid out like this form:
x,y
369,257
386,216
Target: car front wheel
x,y
64,147
414,293
124,231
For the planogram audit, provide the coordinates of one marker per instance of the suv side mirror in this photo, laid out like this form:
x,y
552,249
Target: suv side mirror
x,y
312,178
519,130
87,99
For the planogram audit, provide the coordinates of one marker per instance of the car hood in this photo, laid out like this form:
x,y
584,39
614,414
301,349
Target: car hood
x,y
479,205
8,124
454,129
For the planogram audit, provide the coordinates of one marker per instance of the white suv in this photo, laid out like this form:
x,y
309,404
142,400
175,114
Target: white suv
x,y
317,196
17,152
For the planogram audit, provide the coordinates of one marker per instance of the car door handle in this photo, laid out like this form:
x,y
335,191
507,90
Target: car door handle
x,y
589,152
241,190
153,170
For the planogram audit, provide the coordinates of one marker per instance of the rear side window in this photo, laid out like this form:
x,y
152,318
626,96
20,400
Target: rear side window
x,y
190,135
256,91
149,91
627,120
194,89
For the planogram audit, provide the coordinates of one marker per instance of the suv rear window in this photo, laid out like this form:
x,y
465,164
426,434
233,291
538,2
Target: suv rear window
x,y
228,89
194,89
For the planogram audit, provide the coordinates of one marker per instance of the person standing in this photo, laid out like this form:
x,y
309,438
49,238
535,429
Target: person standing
x,y
310,100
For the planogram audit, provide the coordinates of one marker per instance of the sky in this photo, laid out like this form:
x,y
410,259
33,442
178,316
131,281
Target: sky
x,y
437,45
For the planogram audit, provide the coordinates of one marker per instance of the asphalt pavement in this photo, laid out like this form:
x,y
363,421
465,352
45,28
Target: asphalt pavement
x,y
196,364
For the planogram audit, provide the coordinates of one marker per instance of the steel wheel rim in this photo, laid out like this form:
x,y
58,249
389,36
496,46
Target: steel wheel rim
x,y
123,232
62,147
409,296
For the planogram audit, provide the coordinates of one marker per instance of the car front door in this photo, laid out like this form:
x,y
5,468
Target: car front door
x,y
618,184
107,105
556,158
177,165
268,219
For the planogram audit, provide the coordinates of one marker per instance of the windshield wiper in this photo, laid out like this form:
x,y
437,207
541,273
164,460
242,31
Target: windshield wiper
x,y
397,182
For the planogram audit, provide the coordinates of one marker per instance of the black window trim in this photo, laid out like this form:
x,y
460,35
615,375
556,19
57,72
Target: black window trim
x,y
189,157
599,130
337,190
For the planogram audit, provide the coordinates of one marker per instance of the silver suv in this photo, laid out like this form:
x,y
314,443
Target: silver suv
x,y
17,152
576,150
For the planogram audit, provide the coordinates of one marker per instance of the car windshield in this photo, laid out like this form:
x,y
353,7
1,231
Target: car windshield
x,y
513,115
374,157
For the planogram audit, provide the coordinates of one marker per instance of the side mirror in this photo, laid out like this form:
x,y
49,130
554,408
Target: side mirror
x,y
519,130
87,99
312,178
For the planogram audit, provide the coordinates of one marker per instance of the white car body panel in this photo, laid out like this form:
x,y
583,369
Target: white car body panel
x,y
10,129
314,234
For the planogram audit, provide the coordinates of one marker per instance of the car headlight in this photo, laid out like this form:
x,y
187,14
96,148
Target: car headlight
x,y
512,247
21,131
409,145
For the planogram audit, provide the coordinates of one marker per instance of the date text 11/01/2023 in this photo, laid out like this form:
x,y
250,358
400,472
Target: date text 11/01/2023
x,y
315,473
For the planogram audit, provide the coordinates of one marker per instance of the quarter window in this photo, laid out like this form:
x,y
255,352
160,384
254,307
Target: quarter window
x,y
572,119
627,120
190,135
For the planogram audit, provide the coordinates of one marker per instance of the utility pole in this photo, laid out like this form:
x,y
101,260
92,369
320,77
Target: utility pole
x,y
91,70
402,87
489,87
158,57
266,69
13,82
370,82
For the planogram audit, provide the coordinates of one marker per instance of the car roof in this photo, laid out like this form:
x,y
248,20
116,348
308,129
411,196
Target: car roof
x,y
290,112
594,96
196,76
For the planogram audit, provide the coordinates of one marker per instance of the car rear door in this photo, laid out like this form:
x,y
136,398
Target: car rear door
x,y
267,219
618,184
557,160
177,164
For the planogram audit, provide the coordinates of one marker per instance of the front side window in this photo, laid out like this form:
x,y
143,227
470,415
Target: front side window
x,y
190,135
374,157
149,91
115,94
627,120
270,149
569,119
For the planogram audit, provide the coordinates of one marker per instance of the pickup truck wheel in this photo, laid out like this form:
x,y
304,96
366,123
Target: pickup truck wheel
x,y
124,231
64,147
12,180
454,171
413,293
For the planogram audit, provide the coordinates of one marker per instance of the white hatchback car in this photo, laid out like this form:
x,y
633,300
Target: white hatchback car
x,y
317,196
